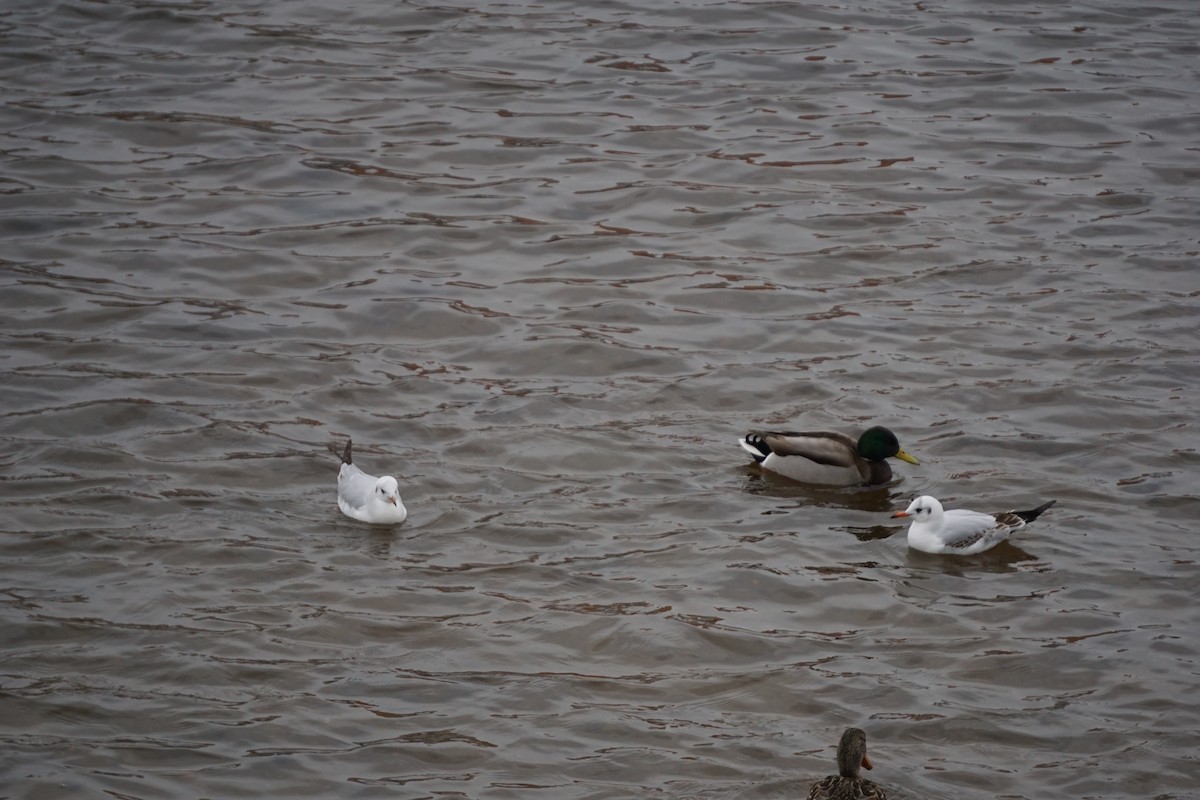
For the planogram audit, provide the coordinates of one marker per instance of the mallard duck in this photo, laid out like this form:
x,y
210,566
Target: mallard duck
x,y
958,531
846,785
827,457
367,498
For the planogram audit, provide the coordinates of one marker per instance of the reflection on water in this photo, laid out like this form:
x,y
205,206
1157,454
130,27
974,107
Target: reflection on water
x,y
550,263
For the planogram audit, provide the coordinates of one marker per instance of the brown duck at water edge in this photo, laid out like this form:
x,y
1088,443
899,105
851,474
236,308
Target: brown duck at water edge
x,y
827,457
846,785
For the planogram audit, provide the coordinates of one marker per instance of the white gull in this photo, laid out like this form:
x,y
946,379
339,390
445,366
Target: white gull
x,y
959,531
367,498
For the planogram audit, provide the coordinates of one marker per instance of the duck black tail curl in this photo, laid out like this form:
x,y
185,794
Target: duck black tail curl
x,y
754,444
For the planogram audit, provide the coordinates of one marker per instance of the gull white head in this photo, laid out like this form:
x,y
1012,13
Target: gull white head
x,y
388,491
923,509
384,506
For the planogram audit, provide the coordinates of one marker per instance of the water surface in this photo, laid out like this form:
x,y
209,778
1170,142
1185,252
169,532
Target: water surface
x,y
545,264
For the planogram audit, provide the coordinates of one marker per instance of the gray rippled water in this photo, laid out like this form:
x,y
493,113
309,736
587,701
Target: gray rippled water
x,y
545,263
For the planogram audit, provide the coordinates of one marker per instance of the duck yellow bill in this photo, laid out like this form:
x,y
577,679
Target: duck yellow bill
x,y
867,762
903,456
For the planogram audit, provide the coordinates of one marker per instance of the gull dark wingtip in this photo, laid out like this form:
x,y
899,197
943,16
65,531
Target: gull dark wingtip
x,y
1032,514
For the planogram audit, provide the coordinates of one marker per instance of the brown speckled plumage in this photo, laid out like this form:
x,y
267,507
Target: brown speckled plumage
x,y
847,785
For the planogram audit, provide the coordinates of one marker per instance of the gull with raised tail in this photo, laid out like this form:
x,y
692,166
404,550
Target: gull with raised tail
x,y
367,498
959,531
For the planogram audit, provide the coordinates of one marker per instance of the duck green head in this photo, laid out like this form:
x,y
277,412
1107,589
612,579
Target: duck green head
x,y
879,443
